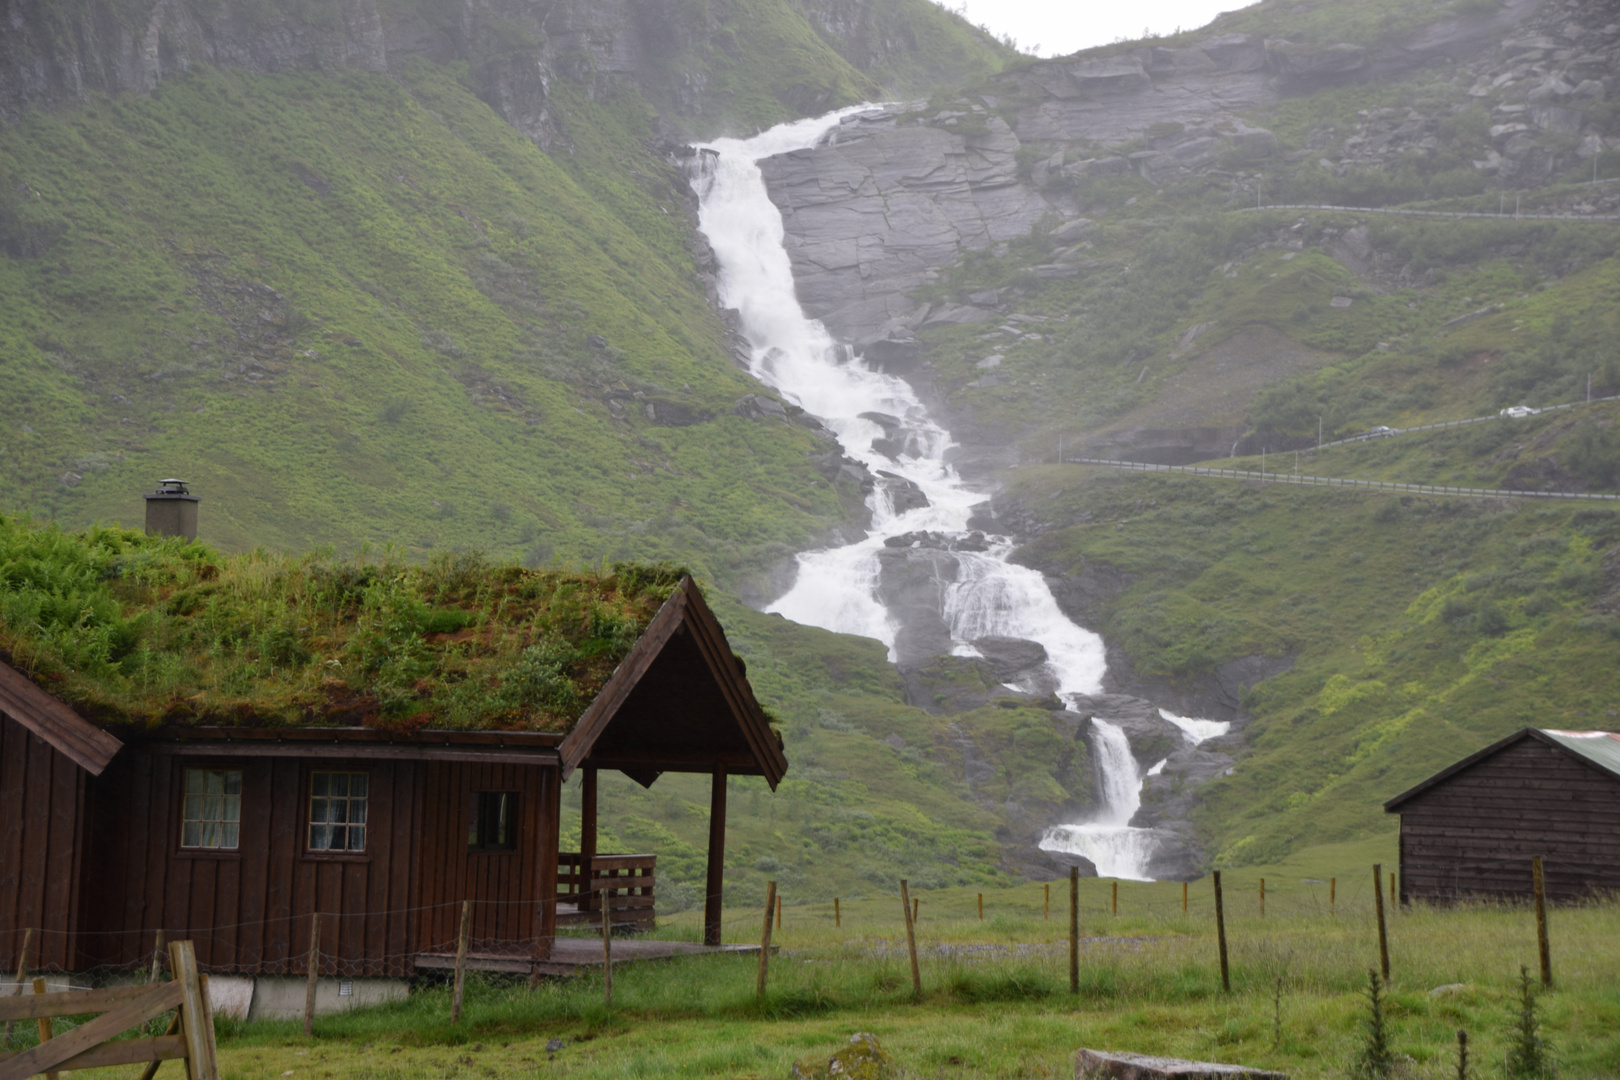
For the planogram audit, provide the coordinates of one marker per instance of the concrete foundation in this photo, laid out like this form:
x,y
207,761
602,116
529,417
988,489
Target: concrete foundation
x,y
281,997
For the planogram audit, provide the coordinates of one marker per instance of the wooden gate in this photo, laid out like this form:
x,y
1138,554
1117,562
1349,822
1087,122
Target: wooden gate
x,y
95,1044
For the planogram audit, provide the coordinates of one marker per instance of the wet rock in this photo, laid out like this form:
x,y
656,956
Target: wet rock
x,y
1009,656
903,494
1065,859
595,341
759,407
1118,1065
912,583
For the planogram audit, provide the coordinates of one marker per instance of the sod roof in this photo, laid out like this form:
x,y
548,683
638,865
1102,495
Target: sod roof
x,y
137,632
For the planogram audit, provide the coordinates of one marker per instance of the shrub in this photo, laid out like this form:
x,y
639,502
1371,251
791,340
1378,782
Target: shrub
x,y
1528,1056
1374,1059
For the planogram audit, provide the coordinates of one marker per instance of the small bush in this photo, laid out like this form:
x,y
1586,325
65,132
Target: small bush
x,y
1374,1059
1528,1056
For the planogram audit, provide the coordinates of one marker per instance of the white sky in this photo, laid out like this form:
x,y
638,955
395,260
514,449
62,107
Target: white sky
x,y
1060,27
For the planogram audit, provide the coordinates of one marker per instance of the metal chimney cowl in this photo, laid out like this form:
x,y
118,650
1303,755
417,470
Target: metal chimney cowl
x,y
171,510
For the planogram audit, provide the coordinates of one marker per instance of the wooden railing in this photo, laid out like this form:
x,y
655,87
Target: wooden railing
x,y
626,880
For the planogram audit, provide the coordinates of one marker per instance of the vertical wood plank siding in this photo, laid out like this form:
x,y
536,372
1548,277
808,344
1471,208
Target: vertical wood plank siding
x,y
503,885
1474,833
42,797
249,910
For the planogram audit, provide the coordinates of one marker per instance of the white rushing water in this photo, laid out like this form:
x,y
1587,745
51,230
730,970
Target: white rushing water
x,y
1197,730
1116,848
836,588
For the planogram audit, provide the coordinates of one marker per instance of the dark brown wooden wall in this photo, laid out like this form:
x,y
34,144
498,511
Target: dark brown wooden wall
x,y
506,887
1474,833
42,795
249,910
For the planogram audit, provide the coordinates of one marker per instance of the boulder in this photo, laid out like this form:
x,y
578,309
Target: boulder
x,y
903,495
1010,656
759,407
1122,1065
862,1059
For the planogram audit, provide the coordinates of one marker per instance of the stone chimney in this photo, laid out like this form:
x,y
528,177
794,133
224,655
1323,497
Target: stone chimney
x,y
171,510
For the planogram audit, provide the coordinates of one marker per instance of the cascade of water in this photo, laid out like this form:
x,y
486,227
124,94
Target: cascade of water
x,y
1113,845
836,588
1197,730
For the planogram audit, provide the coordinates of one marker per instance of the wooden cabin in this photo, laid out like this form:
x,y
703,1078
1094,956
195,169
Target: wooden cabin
x,y
236,835
1471,830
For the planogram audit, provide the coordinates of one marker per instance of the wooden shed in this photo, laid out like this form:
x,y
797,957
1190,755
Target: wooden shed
x,y
1471,830
236,834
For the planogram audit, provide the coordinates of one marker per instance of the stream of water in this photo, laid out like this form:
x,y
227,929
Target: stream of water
x,y
837,588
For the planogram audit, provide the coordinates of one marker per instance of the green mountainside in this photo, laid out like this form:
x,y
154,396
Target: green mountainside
x,y
399,303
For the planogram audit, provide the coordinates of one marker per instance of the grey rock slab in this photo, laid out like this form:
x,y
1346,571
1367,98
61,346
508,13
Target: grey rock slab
x,y
1123,1065
1009,656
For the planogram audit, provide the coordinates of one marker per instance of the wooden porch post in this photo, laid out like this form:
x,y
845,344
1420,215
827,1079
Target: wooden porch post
x,y
717,859
550,819
587,837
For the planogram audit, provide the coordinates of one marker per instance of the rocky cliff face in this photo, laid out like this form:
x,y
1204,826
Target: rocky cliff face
x,y
892,196
54,54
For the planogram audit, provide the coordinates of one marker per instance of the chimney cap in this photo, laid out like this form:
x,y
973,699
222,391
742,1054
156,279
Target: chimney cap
x,y
171,488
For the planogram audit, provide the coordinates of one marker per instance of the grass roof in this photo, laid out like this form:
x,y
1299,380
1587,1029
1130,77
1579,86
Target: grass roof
x,y
134,630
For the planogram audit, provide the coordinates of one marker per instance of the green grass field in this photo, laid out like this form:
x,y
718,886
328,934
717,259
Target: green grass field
x,y
995,999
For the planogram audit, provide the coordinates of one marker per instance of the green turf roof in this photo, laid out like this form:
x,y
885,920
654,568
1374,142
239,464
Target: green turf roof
x,y
139,631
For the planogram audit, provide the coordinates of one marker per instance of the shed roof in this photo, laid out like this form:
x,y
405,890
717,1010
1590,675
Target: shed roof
x,y
1600,749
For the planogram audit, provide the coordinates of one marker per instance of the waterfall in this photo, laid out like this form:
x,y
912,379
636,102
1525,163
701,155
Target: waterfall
x,y
879,420
1116,848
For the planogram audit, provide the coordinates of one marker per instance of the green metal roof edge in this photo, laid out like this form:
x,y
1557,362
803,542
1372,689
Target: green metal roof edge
x,y
1601,748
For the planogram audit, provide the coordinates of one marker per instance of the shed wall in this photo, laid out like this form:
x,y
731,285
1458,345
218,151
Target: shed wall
x,y
513,893
248,910
1474,833
42,797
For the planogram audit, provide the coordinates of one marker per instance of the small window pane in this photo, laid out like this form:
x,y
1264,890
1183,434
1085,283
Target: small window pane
x,y
494,821
212,798
337,811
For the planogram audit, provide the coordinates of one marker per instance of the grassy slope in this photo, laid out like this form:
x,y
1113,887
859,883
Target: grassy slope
x,y
419,375
1423,628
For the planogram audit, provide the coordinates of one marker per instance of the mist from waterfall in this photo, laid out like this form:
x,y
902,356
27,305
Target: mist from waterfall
x,y
837,588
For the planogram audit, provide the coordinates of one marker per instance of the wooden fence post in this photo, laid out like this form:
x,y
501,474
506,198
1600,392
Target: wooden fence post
x,y
1116,898
1333,894
460,985
911,937
1392,902
1538,881
1184,898
607,947
1074,929
1220,934
23,959
314,966
981,907
196,1018
1262,898
838,916
1383,932
46,1027
779,911
765,939
157,958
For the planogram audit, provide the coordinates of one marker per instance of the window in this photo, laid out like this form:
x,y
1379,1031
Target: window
x,y
494,821
211,816
337,811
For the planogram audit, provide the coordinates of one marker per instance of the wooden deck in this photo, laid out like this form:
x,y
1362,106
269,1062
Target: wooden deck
x,y
572,956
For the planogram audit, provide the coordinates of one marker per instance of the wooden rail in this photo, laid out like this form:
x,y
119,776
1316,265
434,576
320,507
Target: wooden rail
x,y
628,880
95,1043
